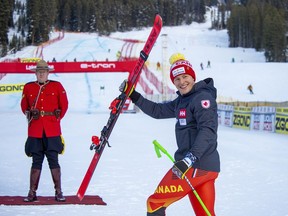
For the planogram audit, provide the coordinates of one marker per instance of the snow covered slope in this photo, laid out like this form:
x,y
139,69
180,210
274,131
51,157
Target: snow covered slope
x,y
253,179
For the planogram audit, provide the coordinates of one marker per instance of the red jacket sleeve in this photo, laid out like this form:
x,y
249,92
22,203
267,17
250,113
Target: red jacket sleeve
x,y
24,100
63,100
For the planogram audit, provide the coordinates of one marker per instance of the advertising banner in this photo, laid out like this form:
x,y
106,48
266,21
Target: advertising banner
x,y
70,67
225,115
263,118
242,117
281,124
11,88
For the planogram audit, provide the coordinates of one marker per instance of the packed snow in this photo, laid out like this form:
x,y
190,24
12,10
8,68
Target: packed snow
x,y
254,176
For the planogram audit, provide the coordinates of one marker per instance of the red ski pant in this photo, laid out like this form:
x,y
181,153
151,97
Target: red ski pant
x,y
172,189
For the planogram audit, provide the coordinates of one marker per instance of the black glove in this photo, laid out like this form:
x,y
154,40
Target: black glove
x,y
57,113
181,167
134,95
28,115
124,87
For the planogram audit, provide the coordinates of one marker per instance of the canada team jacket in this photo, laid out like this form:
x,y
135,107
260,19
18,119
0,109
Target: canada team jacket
x,y
46,98
197,123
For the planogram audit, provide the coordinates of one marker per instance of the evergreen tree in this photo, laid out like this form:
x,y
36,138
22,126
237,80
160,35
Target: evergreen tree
x,y
40,20
64,16
5,23
75,16
248,24
91,17
274,35
259,25
255,25
13,43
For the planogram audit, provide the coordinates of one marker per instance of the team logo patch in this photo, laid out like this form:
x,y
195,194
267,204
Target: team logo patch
x,y
205,104
182,117
182,113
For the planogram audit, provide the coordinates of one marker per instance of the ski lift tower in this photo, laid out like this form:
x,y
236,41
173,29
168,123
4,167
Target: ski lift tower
x,y
164,66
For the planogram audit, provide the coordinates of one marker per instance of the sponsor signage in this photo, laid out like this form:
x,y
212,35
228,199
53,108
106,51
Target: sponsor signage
x,y
242,117
11,88
225,115
29,60
263,118
281,123
70,67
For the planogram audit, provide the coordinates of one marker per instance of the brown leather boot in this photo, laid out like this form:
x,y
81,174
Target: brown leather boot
x,y
34,181
56,176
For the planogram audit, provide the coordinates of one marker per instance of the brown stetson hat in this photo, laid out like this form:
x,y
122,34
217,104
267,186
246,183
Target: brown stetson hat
x,y
42,65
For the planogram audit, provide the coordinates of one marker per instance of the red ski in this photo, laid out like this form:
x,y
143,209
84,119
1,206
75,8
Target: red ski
x,y
98,144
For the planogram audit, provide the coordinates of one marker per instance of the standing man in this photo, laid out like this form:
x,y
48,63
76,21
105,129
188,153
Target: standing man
x,y
197,158
44,102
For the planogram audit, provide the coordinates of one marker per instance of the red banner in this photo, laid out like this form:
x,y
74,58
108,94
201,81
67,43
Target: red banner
x,y
71,67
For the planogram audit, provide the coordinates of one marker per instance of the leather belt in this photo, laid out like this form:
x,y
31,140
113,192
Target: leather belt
x,y
43,113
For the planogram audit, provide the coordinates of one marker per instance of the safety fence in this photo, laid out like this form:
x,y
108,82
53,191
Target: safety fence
x,y
261,118
273,118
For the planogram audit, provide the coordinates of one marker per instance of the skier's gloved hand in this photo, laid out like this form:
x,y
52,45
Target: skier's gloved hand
x,y
181,167
124,87
134,95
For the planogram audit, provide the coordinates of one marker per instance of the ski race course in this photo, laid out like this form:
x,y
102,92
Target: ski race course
x,y
253,178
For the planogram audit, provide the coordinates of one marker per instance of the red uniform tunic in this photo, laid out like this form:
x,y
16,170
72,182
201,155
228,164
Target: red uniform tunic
x,y
46,98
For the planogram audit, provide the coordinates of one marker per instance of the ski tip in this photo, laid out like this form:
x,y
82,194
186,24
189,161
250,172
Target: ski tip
x,y
157,16
158,20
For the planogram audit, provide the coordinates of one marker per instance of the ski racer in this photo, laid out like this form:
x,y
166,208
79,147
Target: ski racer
x,y
197,158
